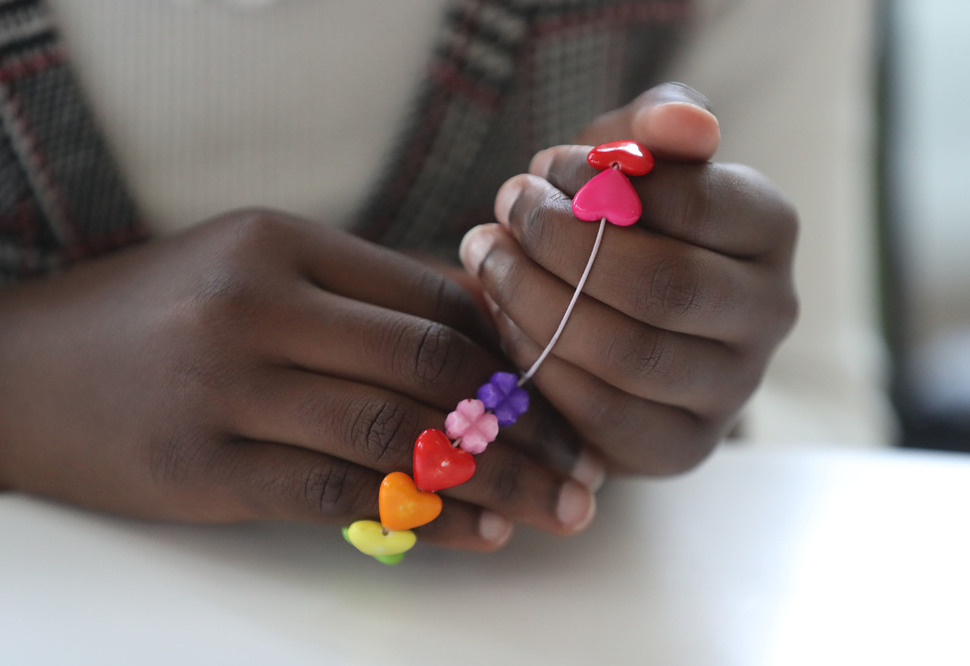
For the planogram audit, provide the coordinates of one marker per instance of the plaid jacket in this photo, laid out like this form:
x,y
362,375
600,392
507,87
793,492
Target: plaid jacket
x,y
507,78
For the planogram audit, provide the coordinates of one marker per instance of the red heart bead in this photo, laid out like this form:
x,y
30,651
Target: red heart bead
x,y
609,194
632,158
438,464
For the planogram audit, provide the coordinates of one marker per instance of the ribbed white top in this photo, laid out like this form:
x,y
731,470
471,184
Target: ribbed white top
x,y
215,104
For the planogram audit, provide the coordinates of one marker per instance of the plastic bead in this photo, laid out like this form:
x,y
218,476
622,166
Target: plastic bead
x,y
630,157
383,559
390,559
471,424
406,503
403,506
370,538
608,195
504,397
438,464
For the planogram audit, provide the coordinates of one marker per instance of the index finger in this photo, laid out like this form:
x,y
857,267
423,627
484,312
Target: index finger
x,y
727,208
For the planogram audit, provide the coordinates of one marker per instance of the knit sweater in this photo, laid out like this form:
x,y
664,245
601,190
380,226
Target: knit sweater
x,y
506,79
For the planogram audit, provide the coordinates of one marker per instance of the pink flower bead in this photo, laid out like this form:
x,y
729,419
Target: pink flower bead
x,y
471,424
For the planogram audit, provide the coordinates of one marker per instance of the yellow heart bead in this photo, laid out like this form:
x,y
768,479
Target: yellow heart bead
x,y
371,538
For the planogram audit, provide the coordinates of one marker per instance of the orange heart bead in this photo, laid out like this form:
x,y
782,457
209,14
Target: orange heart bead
x,y
608,195
403,506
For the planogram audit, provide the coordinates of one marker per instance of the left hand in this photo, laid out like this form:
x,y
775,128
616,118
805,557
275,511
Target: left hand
x,y
682,311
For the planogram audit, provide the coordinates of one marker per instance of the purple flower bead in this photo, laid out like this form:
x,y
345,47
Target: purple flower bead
x,y
504,397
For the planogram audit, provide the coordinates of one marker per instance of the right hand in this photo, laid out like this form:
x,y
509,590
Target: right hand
x,y
684,309
264,367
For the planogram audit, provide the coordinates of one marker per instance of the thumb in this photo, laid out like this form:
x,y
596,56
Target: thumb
x,y
672,120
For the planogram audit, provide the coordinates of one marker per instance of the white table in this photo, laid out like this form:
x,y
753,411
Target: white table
x,y
815,556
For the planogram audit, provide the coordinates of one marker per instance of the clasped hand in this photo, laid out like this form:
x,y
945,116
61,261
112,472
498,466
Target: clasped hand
x,y
261,366
681,311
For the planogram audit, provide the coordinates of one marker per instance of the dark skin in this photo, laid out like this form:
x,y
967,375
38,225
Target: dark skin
x,y
682,311
261,366
257,367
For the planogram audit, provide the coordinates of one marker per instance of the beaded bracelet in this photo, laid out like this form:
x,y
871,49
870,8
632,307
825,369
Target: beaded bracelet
x,y
445,459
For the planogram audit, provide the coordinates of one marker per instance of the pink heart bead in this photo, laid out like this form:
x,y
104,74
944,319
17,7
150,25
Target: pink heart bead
x,y
609,194
470,423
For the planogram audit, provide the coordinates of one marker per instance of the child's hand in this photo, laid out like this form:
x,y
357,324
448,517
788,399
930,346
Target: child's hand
x,y
262,367
681,311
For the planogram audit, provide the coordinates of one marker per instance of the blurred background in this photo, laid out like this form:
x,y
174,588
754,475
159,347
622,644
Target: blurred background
x,y
925,215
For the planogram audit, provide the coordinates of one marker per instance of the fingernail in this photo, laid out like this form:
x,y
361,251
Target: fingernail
x,y
474,246
576,506
680,129
494,528
505,199
681,104
589,471
697,116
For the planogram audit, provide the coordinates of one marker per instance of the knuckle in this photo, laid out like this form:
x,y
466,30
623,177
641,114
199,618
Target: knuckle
x,y
787,312
505,483
331,489
446,295
382,431
695,451
500,274
545,211
438,356
677,455
228,289
694,209
235,238
777,314
232,299
749,189
451,303
787,221
213,352
203,372
255,226
641,355
176,459
614,409
223,296
670,287
778,210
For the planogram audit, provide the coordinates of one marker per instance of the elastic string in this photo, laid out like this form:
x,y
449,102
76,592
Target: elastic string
x,y
569,309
